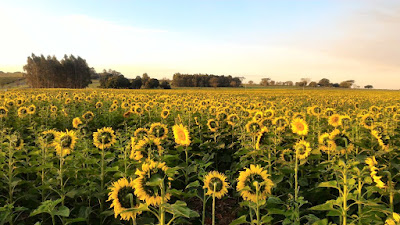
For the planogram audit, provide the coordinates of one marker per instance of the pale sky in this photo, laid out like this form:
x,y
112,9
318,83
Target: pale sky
x,y
282,39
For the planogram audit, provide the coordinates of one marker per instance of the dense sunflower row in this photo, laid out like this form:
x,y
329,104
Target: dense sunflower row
x,y
199,157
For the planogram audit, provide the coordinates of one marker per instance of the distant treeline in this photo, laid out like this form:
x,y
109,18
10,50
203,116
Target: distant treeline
x,y
205,80
114,79
48,72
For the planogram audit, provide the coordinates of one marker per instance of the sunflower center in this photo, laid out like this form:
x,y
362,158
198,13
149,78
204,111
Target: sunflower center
x,y
66,141
158,131
123,197
3,111
105,137
181,135
252,179
300,126
49,137
335,119
217,182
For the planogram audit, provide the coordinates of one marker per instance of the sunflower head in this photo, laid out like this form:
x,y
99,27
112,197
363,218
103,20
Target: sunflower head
x,y
334,120
299,126
3,111
65,142
31,109
367,121
22,112
253,127
48,137
232,119
302,149
88,116
141,133
164,113
104,138
212,125
121,194
250,180
146,148
263,138
181,135
152,179
158,130
76,122
215,183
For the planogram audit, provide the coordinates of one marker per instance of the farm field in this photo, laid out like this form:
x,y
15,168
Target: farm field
x,y
223,156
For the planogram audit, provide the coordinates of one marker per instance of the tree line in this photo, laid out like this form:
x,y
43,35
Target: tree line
x,y
306,82
49,72
205,80
114,79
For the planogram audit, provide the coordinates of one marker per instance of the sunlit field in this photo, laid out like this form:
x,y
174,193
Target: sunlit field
x,y
226,156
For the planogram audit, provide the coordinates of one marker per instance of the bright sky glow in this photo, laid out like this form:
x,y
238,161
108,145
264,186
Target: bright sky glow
x,y
284,40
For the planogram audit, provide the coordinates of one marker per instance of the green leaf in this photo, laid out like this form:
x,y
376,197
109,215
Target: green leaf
x,y
240,220
328,205
321,222
329,184
193,184
62,211
179,208
266,219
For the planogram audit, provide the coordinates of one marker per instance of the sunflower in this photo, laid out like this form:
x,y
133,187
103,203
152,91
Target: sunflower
x,y
158,130
88,116
141,133
119,195
145,148
53,109
232,119
262,137
393,219
316,111
164,113
22,112
138,110
104,138
299,126
212,125
181,135
65,142
253,127
31,109
258,116
76,122
249,179
99,105
280,123
371,162
3,111
217,179
367,121
334,120
302,149
324,142
269,114
286,155
150,192
345,121
49,137
113,107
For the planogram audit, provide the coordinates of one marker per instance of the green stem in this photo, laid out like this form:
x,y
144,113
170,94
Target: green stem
x,y
213,204
257,204
203,218
162,211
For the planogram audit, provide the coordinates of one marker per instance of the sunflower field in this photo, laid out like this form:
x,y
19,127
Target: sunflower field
x,y
223,156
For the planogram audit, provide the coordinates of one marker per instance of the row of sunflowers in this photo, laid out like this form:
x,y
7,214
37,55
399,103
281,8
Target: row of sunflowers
x,y
224,156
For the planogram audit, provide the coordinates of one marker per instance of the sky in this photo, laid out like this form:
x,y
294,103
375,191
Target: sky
x,y
279,39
